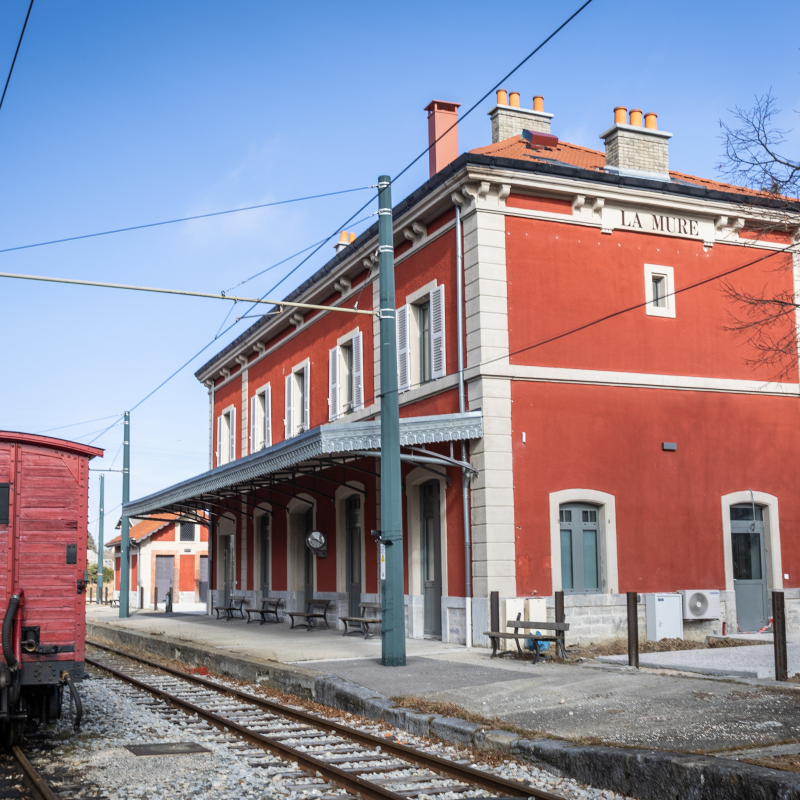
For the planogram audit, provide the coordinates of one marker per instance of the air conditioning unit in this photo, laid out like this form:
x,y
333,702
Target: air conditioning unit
x,y
701,604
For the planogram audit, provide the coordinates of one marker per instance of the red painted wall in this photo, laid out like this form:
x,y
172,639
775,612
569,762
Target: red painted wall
x,y
564,276
669,525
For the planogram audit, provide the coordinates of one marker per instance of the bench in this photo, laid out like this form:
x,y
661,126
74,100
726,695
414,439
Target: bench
x,y
115,602
364,621
269,605
236,606
559,628
308,615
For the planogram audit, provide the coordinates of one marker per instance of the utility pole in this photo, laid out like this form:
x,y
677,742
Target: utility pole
x,y
124,561
393,628
100,541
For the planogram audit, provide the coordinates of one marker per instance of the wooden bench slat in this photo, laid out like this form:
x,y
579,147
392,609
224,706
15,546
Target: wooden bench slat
x,y
546,626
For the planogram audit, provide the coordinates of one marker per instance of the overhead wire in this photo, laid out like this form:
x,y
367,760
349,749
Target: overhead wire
x,y
181,219
16,53
76,424
374,197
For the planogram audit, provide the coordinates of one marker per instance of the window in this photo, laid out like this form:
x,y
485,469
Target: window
x,y
346,376
226,437
421,339
659,291
261,419
4,503
297,391
580,547
187,532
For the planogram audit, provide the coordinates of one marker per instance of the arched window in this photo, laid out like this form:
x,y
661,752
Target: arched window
x,y
580,547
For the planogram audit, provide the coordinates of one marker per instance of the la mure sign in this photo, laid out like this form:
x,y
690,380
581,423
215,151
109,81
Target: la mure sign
x,y
660,223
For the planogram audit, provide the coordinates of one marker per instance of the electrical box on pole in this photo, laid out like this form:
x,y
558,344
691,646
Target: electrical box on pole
x,y
393,627
100,543
124,560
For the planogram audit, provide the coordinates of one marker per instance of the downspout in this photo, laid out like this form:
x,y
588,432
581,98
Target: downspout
x,y
461,409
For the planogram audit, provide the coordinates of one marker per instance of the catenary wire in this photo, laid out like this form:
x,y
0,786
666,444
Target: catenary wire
x,y
182,219
496,86
75,424
16,53
347,222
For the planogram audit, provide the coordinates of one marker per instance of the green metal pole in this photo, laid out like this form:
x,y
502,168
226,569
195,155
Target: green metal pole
x,y
124,561
393,628
100,541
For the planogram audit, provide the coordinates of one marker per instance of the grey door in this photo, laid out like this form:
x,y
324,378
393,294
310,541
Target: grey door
x,y
431,558
203,579
749,566
264,550
227,570
353,555
308,566
580,547
165,566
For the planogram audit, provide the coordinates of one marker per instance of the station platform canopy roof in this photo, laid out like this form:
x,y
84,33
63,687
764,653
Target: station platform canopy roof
x,y
311,452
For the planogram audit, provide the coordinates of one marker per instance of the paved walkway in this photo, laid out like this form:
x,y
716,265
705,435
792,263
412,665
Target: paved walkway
x,y
593,700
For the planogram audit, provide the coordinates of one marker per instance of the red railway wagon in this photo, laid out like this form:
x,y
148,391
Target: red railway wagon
x,y
44,493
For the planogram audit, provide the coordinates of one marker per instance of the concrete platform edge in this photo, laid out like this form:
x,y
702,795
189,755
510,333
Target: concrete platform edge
x,y
644,774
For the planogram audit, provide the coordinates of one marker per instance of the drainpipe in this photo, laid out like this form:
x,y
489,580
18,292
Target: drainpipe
x,y
461,409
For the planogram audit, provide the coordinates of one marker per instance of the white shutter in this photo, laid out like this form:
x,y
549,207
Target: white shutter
x,y
403,367
268,416
289,419
254,423
219,439
437,333
232,436
306,395
358,372
333,383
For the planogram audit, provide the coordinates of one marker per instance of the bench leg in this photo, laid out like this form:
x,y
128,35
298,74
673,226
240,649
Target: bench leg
x,y
495,642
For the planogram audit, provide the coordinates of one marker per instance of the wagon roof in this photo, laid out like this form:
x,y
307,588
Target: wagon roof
x,y
50,441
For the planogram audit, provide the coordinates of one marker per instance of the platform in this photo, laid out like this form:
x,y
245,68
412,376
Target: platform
x,y
593,700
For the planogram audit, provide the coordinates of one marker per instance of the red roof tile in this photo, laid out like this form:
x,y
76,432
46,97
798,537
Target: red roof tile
x,y
143,529
565,153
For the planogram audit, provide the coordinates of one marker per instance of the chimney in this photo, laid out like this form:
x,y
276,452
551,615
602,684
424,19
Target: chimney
x,y
441,116
634,150
345,239
508,119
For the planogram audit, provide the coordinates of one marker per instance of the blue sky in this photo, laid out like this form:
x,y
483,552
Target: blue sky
x,y
132,112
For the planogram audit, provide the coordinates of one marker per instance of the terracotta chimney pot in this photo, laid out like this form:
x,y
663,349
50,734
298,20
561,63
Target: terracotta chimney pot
x,y
636,117
513,99
621,115
538,103
352,238
502,97
650,120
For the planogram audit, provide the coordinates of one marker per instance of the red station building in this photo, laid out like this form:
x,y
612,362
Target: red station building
x,y
613,434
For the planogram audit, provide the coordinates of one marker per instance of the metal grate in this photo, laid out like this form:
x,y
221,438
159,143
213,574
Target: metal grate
x,y
166,749
187,531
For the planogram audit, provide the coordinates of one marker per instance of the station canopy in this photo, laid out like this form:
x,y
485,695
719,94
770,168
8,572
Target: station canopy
x,y
313,454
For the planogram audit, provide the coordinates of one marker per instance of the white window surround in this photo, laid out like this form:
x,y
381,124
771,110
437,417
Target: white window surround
x,y
772,535
408,355
337,391
668,309
261,418
609,571
226,435
296,419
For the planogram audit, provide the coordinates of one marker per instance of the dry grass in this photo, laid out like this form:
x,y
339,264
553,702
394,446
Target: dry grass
x,y
619,647
789,763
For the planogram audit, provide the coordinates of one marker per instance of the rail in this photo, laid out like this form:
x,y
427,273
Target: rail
x,y
39,788
368,790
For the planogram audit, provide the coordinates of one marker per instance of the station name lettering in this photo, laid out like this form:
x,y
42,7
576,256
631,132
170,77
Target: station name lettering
x,y
663,224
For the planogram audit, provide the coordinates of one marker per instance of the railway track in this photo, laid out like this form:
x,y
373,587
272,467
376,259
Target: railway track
x,y
330,755
19,780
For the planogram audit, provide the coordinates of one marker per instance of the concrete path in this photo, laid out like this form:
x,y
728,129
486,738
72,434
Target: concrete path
x,y
745,662
586,702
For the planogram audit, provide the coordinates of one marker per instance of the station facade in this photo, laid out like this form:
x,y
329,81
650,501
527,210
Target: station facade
x,y
613,433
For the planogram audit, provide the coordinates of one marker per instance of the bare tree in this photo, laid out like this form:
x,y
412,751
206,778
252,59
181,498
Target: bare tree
x,y
755,158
